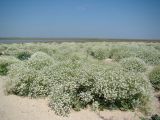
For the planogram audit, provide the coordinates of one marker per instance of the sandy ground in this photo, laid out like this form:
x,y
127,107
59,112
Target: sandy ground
x,y
17,108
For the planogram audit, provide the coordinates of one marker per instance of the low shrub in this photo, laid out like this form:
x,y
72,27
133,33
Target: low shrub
x,y
39,60
108,86
154,77
73,85
120,52
133,64
27,81
63,79
5,61
21,77
23,55
122,89
39,86
60,101
98,53
153,117
149,55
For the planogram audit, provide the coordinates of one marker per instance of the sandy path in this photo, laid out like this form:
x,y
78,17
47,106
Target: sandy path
x,y
17,108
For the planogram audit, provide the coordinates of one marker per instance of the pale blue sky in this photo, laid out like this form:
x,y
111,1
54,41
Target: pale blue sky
x,y
80,18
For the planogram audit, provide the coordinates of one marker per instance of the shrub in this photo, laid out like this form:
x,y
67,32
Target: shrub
x,y
154,77
98,53
118,87
64,79
60,101
5,61
153,117
39,60
97,85
21,77
133,64
26,81
157,47
149,55
39,86
23,55
120,52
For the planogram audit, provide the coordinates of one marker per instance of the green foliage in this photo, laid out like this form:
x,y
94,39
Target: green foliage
x,y
133,64
5,61
147,53
153,117
120,52
95,106
23,55
154,77
99,53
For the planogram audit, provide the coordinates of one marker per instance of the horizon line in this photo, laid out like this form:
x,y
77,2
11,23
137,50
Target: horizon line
x,y
75,38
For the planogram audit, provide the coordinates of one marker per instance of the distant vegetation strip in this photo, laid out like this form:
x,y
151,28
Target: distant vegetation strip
x,y
37,39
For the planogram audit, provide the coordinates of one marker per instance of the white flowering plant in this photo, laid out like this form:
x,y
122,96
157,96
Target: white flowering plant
x,y
73,78
6,61
133,64
154,77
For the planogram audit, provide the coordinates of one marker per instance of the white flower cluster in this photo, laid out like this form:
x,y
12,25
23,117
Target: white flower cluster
x,y
133,64
117,84
5,61
99,53
149,54
86,96
21,77
154,77
60,101
39,60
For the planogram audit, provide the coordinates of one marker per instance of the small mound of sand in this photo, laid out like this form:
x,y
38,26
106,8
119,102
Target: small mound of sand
x,y
108,61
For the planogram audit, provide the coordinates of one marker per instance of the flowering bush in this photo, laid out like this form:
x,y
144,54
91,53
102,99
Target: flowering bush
x,y
133,64
104,84
74,80
114,85
5,61
120,52
39,87
154,77
99,53
23,55
21,78
60,101
149,55
39,60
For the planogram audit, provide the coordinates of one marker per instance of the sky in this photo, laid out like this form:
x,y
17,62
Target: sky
x,y
135,19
